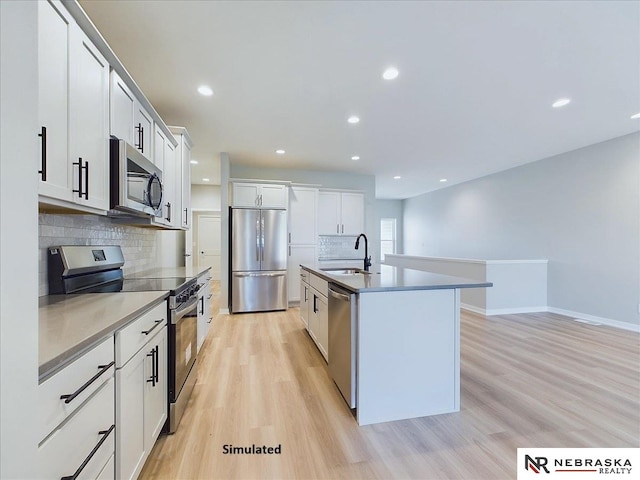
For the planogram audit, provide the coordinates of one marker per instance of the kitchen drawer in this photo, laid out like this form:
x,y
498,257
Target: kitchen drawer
x,y
71,379
62,453
304,275
134,336
320,284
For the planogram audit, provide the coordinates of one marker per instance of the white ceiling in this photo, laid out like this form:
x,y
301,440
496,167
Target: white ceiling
x,y
473,97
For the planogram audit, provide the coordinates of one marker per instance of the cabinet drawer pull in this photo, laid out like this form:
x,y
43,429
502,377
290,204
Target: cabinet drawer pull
x,y
43,136
105,434
70,397
156,323
168,217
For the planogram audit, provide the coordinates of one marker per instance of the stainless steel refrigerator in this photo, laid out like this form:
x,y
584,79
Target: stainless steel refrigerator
x,y
258,260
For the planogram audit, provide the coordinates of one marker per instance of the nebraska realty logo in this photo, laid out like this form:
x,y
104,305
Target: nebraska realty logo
x,y
582,463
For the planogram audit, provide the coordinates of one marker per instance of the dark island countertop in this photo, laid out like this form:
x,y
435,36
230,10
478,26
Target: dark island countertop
x,y
384,278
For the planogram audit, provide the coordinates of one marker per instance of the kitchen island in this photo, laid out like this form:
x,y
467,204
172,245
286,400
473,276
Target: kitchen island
x,y
407,349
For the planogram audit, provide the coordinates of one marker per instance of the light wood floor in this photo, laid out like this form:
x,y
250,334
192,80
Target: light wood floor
x,y
530,380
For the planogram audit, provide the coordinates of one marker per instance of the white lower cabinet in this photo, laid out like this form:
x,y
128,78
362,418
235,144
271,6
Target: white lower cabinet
x,y
77,405
305,294
204,306
141,393
314,310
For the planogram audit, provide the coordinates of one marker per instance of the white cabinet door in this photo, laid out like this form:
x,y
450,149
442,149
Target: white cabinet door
x,y
164,158
305,301
245,195
130,390
123,104
143,131
305,254
89,122
155,394
204,307
185,212
273,196
328,213
302,215
352,213
169,174
54,25
322,312
259,195
313,320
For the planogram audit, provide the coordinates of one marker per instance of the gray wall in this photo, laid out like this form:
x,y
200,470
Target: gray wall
x,y
390,209
580,210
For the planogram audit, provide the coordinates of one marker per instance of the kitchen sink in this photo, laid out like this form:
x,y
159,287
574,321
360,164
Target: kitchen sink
x,y
345,271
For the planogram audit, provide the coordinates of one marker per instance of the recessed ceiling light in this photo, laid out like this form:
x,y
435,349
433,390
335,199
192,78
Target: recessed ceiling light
x,y
280,152
205,90
390,73
637,115
443,180
194,162
355,157
205,179
353,119
397,177
561,102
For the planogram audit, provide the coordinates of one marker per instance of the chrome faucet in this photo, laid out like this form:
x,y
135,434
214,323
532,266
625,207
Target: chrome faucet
x,y
367,258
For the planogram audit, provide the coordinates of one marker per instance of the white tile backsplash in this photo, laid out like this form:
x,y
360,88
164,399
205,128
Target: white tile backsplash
x,y
338,247
139,245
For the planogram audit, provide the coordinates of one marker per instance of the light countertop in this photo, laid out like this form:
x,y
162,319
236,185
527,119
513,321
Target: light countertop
x,y
71,324
171,272
388,278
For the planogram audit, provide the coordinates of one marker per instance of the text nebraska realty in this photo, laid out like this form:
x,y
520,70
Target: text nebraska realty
x,y
252,450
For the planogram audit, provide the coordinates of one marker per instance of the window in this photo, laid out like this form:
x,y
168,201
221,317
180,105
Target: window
x,y
387,236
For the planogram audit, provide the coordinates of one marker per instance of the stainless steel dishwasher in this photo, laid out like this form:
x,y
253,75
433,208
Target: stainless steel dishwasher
x,y
342,342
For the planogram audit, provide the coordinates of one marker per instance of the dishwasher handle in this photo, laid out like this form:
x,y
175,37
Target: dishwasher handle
x,y
339,296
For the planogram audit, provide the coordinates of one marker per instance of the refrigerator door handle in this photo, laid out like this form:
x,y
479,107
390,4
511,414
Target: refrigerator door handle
x,y
258,240
280,274
262,233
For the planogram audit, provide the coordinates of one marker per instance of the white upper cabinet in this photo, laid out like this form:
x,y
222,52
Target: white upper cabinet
x,y
259,195
89,121
74,114
122,108
164,159
54,32
182,194
144,135
303,203
130,121
340,213
352,213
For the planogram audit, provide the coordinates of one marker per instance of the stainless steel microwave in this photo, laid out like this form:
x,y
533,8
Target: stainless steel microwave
x,y
136,183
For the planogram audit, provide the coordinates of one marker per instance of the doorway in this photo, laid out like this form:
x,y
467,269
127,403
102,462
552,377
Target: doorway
x,y
208,243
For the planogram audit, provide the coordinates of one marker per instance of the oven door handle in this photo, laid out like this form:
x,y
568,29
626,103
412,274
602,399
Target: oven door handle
x,y
177,315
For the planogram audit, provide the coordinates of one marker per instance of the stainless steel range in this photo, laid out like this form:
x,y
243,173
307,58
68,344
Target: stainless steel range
x,y
98,269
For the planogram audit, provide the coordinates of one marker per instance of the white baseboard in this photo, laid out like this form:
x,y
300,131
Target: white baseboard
x,y
568,313
223,311
502,311
593,319
472,308
507,311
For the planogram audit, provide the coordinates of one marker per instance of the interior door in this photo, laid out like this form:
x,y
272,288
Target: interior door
x,y
274,239
209,243
245,239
